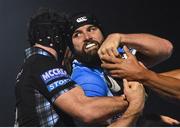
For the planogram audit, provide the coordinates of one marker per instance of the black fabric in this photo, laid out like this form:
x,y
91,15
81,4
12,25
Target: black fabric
x,y
81,18
31,85
110,84
77,20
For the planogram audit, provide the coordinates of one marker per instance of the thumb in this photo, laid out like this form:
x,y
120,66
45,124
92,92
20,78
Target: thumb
x,y
125,84
142,65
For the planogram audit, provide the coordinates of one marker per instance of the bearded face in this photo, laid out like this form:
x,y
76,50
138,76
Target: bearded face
x,y
89,55
86,42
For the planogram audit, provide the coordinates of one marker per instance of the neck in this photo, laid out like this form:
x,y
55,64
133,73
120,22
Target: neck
x,y
51,50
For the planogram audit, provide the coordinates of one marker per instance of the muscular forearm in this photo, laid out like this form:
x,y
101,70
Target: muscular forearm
x,y
152,49
128,118
100,109
165,85
135,94
147,44
90,109
173,73
125,121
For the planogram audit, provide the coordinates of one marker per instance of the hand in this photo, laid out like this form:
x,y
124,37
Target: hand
x,y
129,68
110,45
169,120
135,95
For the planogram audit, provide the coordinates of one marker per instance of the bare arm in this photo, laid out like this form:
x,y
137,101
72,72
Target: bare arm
x,y
127,119
174,73
164,84
87,109
167,84
152,49
135,94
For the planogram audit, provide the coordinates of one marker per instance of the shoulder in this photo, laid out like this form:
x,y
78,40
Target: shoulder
x,y
39,63
87,75
92,82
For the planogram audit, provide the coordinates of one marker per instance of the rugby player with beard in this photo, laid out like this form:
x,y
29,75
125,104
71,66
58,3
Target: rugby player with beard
x,y
85,36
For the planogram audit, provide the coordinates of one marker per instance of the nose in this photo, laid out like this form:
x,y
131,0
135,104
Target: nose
x,y
87,36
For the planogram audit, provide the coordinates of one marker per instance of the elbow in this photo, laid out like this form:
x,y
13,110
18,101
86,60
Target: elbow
x,y
177,96
168,48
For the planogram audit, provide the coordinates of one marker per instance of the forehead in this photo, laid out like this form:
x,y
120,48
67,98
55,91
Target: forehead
x,y
84,27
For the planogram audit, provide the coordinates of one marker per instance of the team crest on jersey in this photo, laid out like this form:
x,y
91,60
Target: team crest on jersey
x,y
53,74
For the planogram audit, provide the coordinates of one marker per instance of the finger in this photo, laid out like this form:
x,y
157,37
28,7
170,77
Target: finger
x,y
103,62
110,59
142,65
169,120
125,84
109,66
116,76
101,52
105,59
115,52
110,52
128,53
115,72
111,72
123,96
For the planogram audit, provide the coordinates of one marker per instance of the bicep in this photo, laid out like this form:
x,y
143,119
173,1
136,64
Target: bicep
x,y
148,61
70,102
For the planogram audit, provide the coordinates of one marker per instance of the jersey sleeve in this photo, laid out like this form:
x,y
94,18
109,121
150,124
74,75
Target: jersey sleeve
x,y
92,84
52,79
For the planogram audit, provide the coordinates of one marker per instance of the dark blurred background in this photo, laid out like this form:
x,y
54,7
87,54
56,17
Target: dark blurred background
x,y
159,17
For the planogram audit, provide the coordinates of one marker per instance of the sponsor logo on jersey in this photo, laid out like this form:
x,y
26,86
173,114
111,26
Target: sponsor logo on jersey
x,y
56,84
53,74
81,19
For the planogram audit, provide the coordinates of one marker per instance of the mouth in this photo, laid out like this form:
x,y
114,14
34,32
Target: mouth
x,y
91,45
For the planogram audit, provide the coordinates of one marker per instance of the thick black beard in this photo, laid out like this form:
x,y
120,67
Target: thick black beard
x,y
90,58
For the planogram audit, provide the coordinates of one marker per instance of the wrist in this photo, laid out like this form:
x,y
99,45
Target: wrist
x,y
135,107
145,74
119,37
122,39
136,104
131,111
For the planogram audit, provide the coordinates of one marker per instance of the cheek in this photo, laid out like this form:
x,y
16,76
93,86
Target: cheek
x,y
99,36
77,45
100,40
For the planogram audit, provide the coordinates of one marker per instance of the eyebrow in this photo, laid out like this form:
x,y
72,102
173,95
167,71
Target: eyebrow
x,y
76,31
92,26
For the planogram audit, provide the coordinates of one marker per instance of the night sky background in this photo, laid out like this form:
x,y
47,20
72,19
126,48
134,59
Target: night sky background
x,y
158,17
